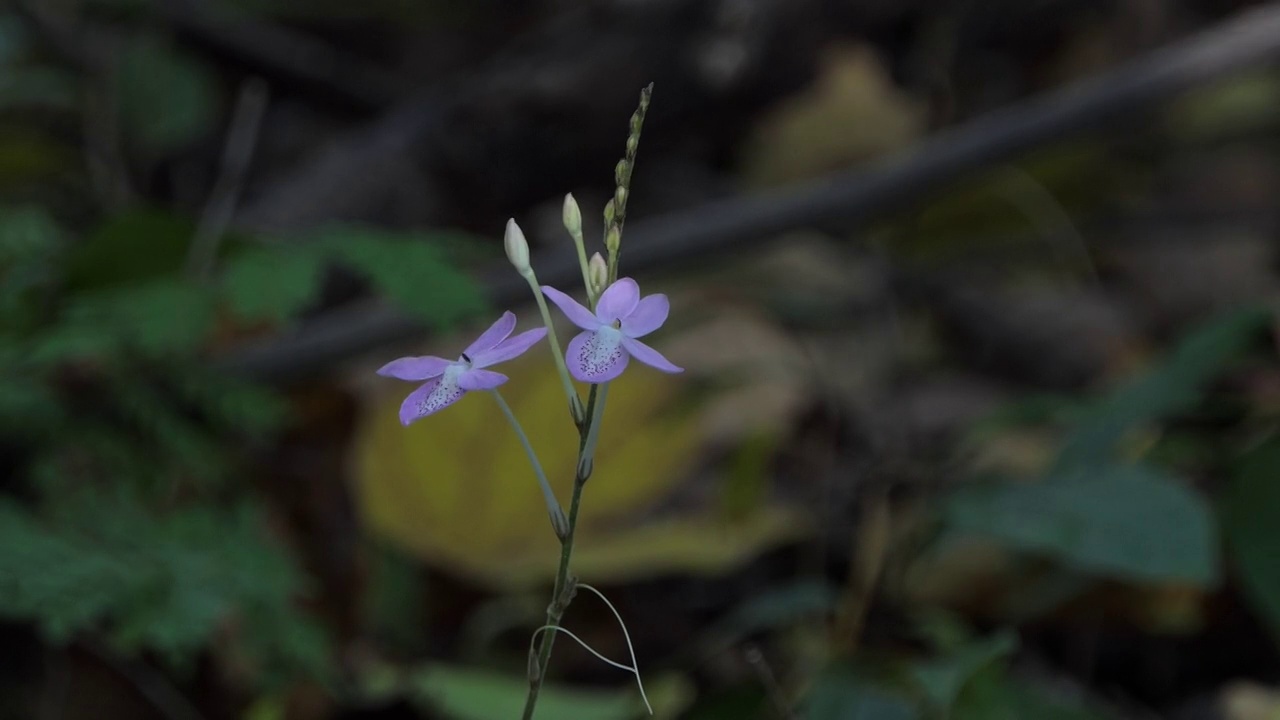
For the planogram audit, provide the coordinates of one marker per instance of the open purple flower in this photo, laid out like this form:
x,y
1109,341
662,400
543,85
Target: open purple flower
x,y
600,353
448,381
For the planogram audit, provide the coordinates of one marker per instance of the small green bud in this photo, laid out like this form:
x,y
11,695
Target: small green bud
x,y
572,216
620,172
517,248
612,239
597,274
633,143
609,213
585,466
620,197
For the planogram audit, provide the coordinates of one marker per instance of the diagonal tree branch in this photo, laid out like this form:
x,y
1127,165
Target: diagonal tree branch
x,y
1247,40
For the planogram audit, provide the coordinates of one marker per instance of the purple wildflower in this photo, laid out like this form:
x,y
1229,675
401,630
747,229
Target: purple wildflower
x,y
448,381
600,353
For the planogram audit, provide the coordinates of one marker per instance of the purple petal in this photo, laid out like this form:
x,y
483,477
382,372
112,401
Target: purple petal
x,y
649,356
509,348
596,357
648,316
415,368
577,314
494,335
618,300
476,379
434,395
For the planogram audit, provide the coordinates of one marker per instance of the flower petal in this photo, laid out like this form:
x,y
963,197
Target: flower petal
x,y
415,368
577,314
476,379
596,357
649,356
509,348
618,300
494,335
648,316
435,395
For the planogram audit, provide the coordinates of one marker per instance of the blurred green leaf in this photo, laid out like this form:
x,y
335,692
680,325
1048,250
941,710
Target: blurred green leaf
x,y
165,583
468,694
273,284
1130,522
1251,518
775,607
162,317
1172,386
410,270
993,694
167,98
133,246
943,678
840,694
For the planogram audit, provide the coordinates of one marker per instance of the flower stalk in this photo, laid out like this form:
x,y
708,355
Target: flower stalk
x,y
589,426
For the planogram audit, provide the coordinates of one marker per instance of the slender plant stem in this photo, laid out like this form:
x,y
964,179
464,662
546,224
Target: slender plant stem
x,y
580,244
562,593
575,402
553,505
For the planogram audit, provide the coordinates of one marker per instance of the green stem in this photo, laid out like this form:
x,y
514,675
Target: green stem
x,y
561,594
553,505
575,402
580,243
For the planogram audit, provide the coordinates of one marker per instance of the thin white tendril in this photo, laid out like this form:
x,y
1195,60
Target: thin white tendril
x,y
633,668
635,665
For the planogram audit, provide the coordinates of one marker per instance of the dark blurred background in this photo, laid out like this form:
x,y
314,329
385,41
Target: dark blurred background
x,y
981,417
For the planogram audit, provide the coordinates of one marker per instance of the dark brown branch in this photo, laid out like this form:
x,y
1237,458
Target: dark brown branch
x,y
1248,40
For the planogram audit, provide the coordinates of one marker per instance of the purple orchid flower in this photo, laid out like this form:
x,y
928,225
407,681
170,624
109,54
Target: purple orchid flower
x,y
600,353
448,381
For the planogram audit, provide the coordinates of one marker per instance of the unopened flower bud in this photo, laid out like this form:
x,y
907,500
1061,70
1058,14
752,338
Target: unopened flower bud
x,y
597,274
612,239
620,172
572,216
609,213
633,143
620,197
559,523
517,248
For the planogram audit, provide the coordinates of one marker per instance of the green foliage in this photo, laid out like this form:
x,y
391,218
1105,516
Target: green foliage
x,y
167,98
1251,516
159,318
160,582
841,694
1173,386
272,284
413,272
994,694
942,679
1131,522
137,245
469,694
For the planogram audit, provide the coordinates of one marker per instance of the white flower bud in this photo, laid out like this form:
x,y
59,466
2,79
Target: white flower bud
x,y
572,216
597,274
517,248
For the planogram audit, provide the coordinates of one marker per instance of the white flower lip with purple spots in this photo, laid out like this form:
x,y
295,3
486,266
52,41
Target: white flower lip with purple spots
x,y
448,380
609,335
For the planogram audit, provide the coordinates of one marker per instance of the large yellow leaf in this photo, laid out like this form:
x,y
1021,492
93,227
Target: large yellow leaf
x,y
456,490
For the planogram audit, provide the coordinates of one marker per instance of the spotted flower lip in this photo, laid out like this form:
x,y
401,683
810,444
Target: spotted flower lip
x,y
448,380
609,335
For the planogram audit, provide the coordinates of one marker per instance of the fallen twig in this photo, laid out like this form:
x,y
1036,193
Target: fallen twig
x,y
1247,40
